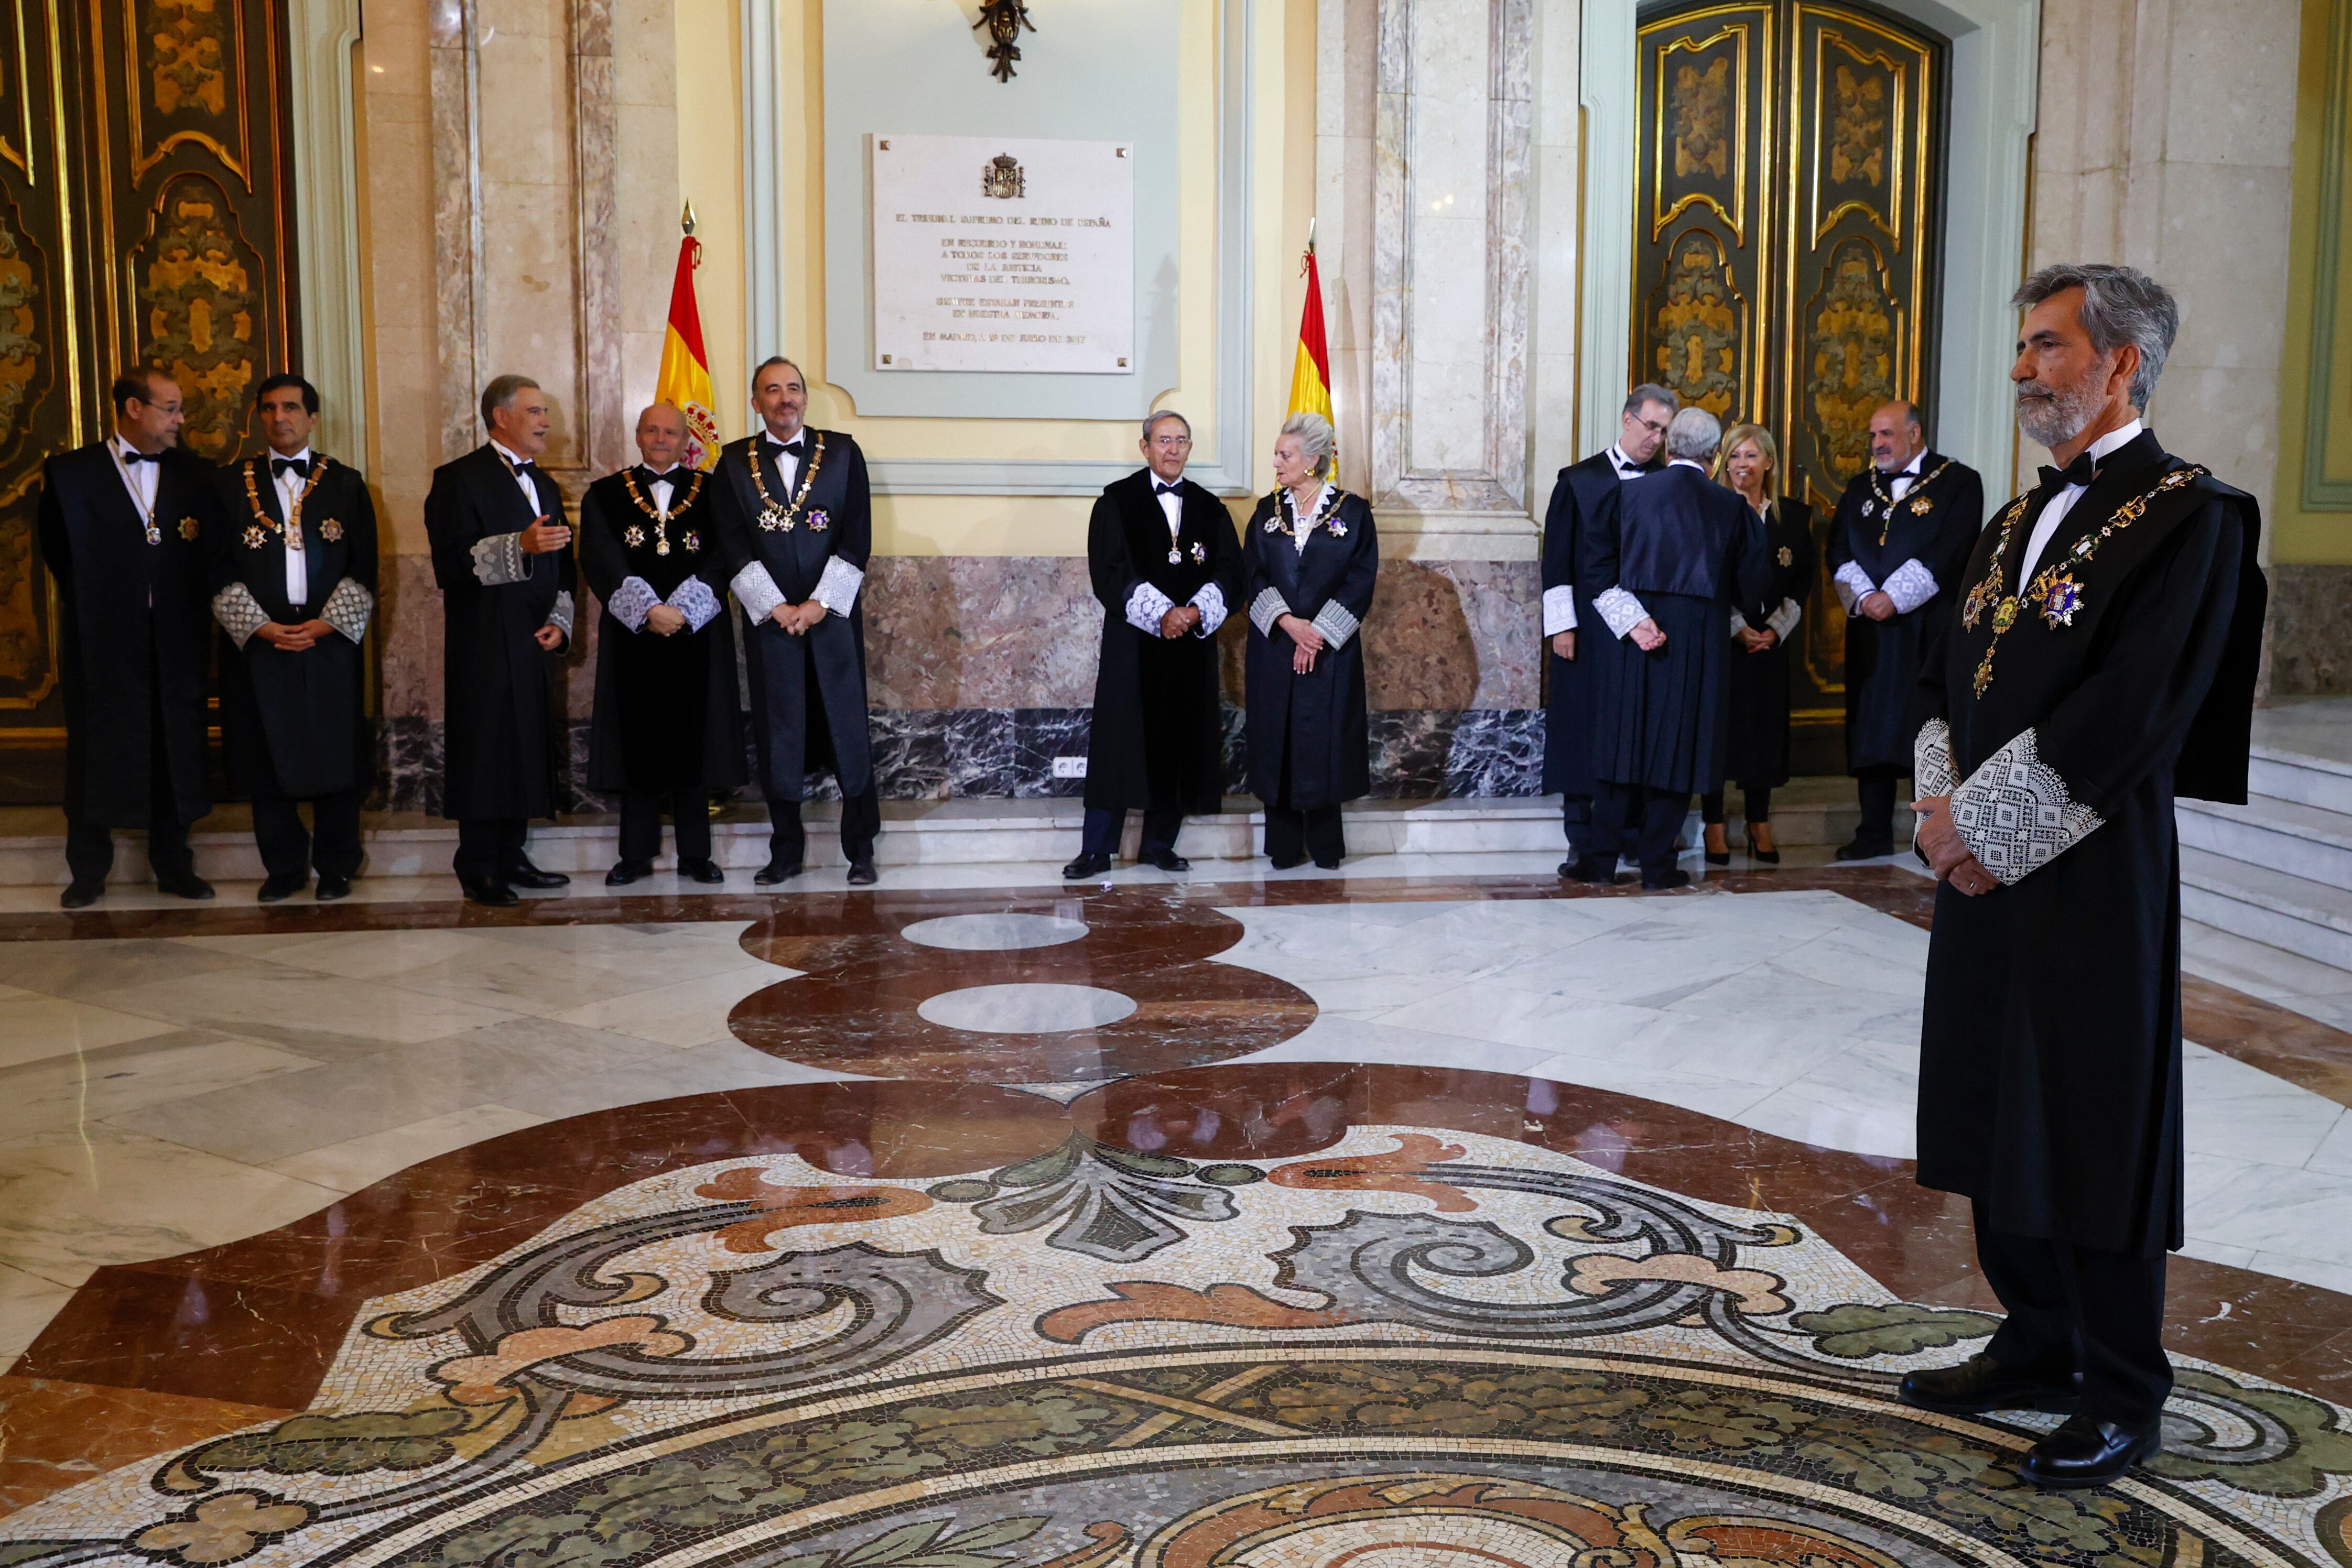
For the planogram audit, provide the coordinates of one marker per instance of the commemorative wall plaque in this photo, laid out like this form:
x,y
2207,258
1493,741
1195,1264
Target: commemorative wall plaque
x,y
1005,253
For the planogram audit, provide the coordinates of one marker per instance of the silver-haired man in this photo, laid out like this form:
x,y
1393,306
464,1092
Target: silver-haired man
x,y
2100,663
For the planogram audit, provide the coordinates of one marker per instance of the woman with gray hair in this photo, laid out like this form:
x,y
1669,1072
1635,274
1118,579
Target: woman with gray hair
x,y
1310,558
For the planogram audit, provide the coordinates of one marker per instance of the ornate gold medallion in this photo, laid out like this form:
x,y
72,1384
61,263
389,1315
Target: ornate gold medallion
x,y
254,538
633,536
1787,557
332,531
189,528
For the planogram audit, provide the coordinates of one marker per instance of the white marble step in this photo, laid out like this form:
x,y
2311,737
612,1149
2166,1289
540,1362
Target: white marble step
x,y
2302,776
2303,916
2283,835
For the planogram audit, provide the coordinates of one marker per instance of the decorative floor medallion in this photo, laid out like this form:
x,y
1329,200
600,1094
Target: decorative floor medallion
x,y
1412,1349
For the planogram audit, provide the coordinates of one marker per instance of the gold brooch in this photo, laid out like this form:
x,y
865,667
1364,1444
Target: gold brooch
x,y
632,536
1788,556
256,537
2004,615
332,531
189,528
2061,598
693,542
1921,507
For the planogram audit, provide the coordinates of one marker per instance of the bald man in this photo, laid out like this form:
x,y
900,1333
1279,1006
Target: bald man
x,y
667,729
1902,533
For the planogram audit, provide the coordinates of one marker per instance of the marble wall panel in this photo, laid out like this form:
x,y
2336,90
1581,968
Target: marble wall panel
x,y
2311,631
947,631
1417,650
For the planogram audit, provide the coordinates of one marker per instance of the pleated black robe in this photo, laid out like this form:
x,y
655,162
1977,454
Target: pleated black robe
x,y
1883,658
1157,737
498,684
808,693
1580,493
296,723
2050,1058
1319,715
136,624
1758,756
667,714
1688,548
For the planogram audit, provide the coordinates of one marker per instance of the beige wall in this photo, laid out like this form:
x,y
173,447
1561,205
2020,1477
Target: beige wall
x,y
2302,536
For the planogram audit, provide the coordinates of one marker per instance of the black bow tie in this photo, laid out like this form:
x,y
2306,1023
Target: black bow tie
x,y
281,466
523,465
668,475
142,457
2082,471
794,448
1160,489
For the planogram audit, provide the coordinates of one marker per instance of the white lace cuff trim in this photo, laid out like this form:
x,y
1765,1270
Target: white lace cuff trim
x,y
1145,606
240,613
498,560
1558,610
1911,585
561,616
349,609
757,592
1739,624
1852,583
1210,602
2015,813
1784,620
1266,610
1933,773
1336,623
1620,609
838,588
694,600
631,600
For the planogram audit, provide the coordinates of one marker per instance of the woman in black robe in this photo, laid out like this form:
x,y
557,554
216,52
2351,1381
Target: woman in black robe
x,y
1757,755
1309,557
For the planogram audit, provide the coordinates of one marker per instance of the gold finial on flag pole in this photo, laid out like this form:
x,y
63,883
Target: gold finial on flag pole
x,y
686,218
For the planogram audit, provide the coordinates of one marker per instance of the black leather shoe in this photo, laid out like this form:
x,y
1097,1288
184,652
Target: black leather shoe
x,y
1589,871
492,894
186,884
331,888
81,892
863,874
1980,1384
1321,864
278,889
1166,859
1864,850
1666,881
1285,865
1085,867
706,872
627,871
775,871
523,874
2087,1452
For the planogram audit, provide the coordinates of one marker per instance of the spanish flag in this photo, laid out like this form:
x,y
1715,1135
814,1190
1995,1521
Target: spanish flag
x,y
684,380
1310,374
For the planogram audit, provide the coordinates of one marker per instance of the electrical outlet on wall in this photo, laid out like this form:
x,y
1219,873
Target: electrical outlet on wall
x,y
1069,768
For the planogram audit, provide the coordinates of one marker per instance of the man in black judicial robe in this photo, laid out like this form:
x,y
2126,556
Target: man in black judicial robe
x,y
294,586
126,527
1164,561
502,556
1902,531
796,521
667,729
1579,494
2102,664
1662,569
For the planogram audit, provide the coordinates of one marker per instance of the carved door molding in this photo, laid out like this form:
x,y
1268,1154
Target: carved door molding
x,y
1788,239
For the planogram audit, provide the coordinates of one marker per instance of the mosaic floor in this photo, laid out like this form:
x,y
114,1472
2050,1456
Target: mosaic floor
x,y
1364,1223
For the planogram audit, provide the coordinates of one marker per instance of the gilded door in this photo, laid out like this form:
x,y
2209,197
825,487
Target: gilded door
x,y
146,216
1786,246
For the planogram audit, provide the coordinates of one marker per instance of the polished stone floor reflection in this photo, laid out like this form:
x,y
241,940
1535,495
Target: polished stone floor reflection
x,y
1261,1221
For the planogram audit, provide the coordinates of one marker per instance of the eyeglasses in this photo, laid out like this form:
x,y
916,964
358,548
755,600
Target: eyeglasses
x,y
1651,425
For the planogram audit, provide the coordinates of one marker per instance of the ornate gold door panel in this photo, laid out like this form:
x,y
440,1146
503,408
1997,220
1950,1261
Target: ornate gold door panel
x,y
145,216
1787,244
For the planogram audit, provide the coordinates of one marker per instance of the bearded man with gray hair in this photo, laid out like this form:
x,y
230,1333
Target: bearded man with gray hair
x,y
2100,663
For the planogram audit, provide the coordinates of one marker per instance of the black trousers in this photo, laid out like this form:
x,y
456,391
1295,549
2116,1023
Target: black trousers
x,y
1875,788
1103,828
641,816
289,850
1758,806
2078,1309
1654,815
488,848
861,824
1316,832
1576,823
89,847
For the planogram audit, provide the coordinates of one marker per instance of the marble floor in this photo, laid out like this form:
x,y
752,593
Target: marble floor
x,y
397,1230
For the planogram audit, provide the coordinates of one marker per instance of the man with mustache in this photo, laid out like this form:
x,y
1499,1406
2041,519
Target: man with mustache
x,y
1902,527
2100,663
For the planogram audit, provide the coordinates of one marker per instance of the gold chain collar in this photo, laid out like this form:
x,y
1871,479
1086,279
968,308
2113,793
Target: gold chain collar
x,y
636,535
774,518
1325,519
265,525
1920,505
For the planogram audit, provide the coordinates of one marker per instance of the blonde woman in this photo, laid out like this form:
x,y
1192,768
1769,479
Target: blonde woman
x,y
1757,758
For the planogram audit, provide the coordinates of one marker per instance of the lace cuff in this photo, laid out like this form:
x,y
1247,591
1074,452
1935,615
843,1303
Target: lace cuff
x,y
1145,606
561,616
1266,610
349,609
2015,813
1336,623
498,560
1911,585
1739,624
240,613
757,592
694,600
1210,602
1933,774
1619,609
837,590
1852,583
631,600
1558,610
1784,620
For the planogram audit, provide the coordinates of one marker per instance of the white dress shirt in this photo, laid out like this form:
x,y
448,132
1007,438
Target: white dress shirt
x,y
1172,505
522,481
1302,519
140,477
2045,527
290,487
788,464
1898,485
660,488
